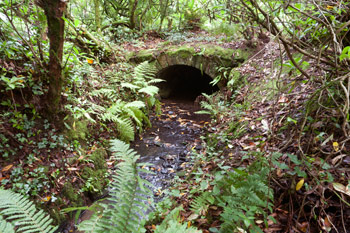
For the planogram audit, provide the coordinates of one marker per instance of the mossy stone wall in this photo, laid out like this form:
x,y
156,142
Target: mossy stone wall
x,y
205,57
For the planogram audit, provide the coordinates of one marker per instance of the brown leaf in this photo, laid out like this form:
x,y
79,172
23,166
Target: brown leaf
x,y
8,167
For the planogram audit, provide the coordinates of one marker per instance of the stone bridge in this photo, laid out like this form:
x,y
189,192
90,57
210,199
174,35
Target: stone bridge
x,y
192,65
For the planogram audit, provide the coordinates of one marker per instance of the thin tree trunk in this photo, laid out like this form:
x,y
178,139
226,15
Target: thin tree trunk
x,y
97,15
133,6
54,10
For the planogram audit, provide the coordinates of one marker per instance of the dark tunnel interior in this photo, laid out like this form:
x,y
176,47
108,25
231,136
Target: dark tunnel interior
x,y
184,83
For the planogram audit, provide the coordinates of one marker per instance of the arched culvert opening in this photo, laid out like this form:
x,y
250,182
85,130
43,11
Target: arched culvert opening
x,y
184,83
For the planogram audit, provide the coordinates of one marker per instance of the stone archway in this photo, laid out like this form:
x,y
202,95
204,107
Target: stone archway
x,y
184,82
207,58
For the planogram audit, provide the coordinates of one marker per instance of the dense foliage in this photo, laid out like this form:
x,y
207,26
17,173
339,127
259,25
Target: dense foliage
x,y
275,154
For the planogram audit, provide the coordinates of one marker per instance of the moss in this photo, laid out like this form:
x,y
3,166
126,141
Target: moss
x,y
182,51
72,195
223,56
99,158
95,181
141,56
94,178
79,130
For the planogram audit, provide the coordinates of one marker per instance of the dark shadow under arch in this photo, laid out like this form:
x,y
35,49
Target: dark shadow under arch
x,y
184,82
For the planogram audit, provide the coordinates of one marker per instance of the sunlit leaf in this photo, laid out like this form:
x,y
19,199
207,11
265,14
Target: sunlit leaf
x,y
299,184
336,146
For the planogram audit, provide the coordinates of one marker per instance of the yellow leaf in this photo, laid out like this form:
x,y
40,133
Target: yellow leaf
x,y
188,224
329,7
335,146
46,199
299,184
8,167
90,61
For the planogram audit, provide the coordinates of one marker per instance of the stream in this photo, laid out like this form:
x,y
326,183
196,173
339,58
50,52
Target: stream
x,y
166,146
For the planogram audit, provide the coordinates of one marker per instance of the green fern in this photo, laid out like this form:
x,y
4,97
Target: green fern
x,y
243,195
209,106
128,192
22,213
108,93
171,224
145,70
125,129
201,203
6,227
149,90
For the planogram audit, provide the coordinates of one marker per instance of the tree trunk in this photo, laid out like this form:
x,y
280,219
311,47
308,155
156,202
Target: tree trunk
x,y
132,13
54,10
97,15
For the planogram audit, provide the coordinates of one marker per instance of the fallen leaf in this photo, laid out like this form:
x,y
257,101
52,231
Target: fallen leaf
x,y
188,224
335,146
46,199
337,158
259,222
299,184
8,167
193,217
341,188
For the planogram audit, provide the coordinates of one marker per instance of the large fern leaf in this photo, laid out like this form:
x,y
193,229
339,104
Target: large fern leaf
x,y
23,214
128,195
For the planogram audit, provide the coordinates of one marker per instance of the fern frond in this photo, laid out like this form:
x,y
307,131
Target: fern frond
x,y
23,213
108,93
156,80
125,129
130,85
6,226
146,70
149,90
93,225
135,104
171,224
201,203
128,194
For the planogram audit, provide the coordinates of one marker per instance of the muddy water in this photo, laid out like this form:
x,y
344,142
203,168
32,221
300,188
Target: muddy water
x,y
166,146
